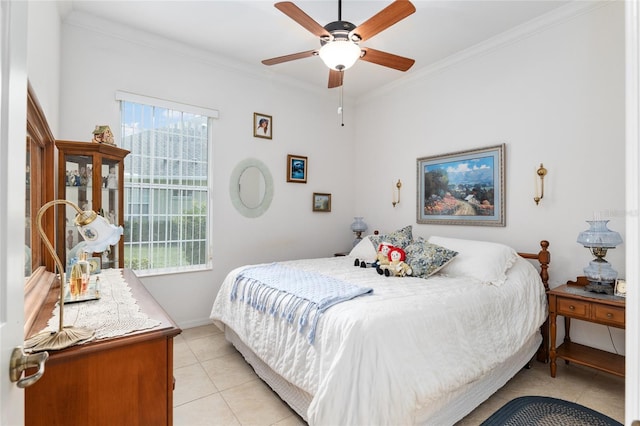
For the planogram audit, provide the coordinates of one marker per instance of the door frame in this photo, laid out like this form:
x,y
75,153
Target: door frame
x,y
13,105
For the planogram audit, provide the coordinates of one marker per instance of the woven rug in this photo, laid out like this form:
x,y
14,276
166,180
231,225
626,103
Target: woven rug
x,y
545,411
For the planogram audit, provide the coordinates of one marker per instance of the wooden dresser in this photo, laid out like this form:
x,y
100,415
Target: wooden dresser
x,y
125,380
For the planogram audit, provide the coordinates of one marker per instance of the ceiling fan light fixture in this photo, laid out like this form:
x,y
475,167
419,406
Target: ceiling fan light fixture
x,y
340,55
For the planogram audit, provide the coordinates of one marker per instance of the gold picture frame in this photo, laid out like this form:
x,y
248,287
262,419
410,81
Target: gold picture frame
x,y
321,202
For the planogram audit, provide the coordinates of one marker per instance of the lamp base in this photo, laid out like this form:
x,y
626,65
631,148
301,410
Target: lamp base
x,y
56,340
594,287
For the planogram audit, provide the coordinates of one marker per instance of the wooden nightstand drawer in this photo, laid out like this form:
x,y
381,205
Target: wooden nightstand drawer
x,y
574,308
610,314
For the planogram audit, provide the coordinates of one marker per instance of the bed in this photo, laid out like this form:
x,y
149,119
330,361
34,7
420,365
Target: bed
x,y
421,349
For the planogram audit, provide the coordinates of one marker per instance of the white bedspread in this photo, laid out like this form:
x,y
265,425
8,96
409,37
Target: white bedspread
x,y
377,359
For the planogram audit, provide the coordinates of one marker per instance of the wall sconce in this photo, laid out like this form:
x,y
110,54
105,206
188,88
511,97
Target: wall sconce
x,y
541,172
395,200
99,234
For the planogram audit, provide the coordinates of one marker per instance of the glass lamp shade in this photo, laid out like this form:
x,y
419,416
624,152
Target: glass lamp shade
x,y
599,235
358,226
340,55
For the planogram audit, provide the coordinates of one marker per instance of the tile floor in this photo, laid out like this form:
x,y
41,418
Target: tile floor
x,y
214,386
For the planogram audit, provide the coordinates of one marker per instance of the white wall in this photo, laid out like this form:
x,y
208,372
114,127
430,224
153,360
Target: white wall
x,y
96,64
554,97
43,57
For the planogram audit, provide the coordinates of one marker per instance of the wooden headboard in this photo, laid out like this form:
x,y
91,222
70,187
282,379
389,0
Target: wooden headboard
x,y
543,257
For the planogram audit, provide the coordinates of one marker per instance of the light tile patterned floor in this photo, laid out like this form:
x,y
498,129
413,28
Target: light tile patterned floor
x,y
214,386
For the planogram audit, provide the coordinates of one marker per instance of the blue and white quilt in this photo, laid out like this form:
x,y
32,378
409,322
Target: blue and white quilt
x,y
283,290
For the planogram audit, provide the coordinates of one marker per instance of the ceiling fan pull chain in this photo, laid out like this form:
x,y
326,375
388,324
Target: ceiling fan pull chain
x,y
341,107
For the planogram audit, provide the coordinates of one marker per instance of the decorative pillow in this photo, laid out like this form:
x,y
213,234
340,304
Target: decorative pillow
x,y
426,258
485,261
399,238
364,250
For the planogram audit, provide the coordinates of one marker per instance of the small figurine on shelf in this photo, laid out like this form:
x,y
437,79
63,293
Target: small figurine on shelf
x,y
112,180
69,239
83,176
102,134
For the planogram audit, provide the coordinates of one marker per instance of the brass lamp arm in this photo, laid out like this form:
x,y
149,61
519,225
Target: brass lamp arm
x,y
52,250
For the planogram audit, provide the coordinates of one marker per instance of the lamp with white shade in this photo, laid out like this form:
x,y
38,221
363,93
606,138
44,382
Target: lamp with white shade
x,y
99,235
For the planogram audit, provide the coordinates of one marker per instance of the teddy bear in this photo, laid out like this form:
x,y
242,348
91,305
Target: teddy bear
x,y
396,265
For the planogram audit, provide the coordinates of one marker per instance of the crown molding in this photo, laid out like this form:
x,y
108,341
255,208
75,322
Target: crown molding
x,y
535,26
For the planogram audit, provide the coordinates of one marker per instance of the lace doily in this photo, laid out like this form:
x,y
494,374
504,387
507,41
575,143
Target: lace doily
x,y
116,313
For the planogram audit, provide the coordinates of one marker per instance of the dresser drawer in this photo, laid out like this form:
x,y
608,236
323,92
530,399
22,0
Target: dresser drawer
x,y
573,308
609,314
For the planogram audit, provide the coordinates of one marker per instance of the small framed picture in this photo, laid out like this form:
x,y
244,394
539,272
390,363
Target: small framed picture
x,y
621,288
296,168
262,125
321,202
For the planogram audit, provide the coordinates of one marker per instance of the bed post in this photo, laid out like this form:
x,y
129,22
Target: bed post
x,y
544,257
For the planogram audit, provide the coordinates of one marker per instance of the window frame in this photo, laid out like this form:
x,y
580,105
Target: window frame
x,y
211,116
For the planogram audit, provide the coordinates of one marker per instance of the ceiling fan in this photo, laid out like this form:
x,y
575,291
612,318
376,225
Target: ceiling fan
x,y
339,40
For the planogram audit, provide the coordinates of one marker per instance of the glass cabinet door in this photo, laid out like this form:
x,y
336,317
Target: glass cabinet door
x,y
78,182
91,176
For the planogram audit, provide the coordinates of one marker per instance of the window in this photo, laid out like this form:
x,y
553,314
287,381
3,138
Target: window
x,y
167,175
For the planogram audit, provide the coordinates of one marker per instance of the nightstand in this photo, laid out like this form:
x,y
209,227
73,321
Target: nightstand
x,y
572,301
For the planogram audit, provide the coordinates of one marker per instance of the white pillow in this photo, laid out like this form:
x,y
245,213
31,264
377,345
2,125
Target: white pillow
x,y
364,250
485,261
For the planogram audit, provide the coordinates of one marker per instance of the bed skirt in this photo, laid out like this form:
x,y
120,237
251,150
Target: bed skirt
x,y
447,410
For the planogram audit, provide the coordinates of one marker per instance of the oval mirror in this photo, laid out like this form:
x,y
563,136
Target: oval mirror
x,y
251,187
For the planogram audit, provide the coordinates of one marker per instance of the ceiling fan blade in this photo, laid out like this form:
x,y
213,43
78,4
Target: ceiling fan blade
x,y
335,78
395,12
295,13
292,57
386,59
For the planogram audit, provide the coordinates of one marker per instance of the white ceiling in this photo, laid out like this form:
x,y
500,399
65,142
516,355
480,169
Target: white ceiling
x,y
249,31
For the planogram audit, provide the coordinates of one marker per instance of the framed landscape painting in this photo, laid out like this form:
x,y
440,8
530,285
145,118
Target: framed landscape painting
x,y
462,188
321,202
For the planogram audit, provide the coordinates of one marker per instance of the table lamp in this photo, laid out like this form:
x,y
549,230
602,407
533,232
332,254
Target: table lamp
x,y
358,227
99,235
598,239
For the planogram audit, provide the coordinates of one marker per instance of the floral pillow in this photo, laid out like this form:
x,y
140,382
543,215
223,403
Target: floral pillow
x,y
399,238
426,258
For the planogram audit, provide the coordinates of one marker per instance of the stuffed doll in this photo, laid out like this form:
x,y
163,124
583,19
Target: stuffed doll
x,y
382,257
397,266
